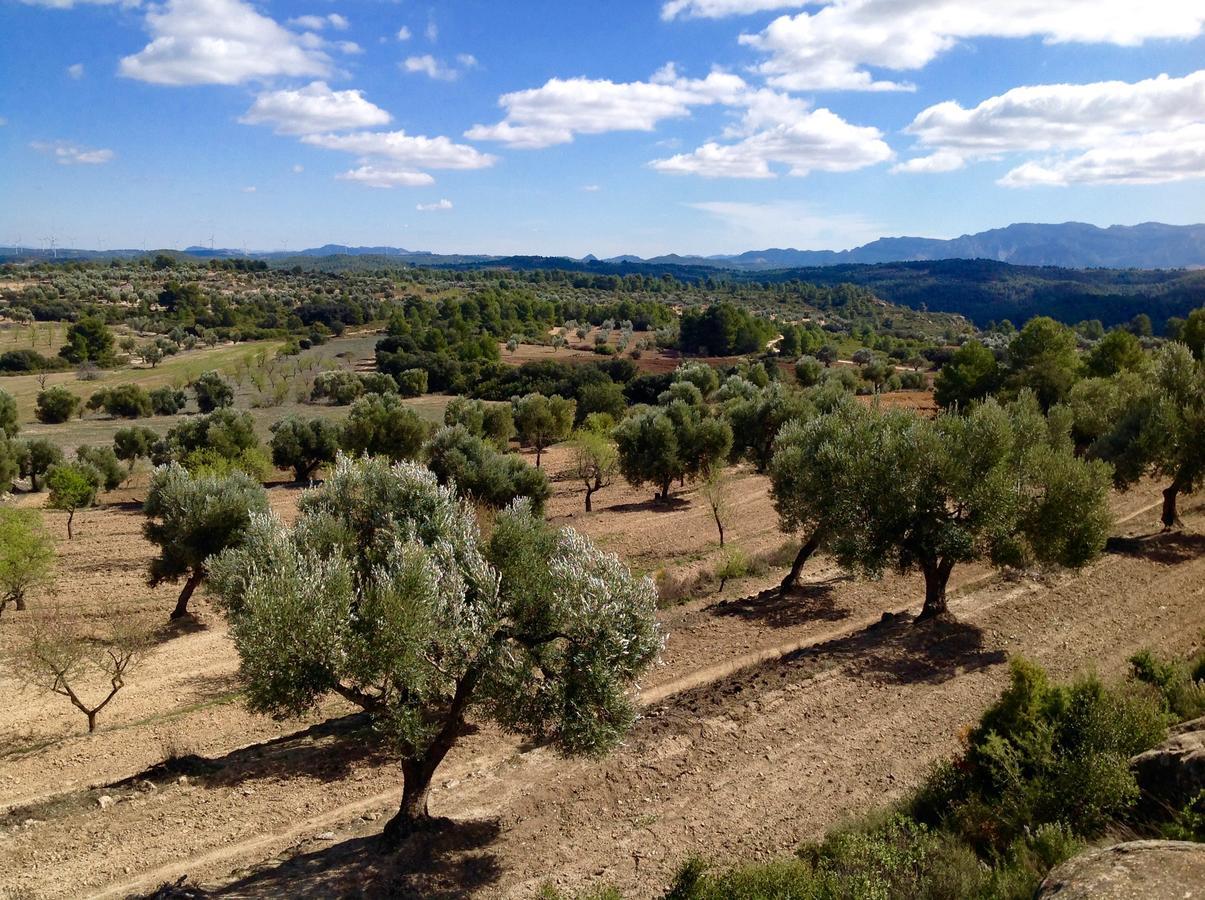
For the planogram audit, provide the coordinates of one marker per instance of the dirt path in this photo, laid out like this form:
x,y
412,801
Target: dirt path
x,y
721,768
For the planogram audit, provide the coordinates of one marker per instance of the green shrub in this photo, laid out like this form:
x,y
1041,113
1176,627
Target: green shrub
x,y
167,401
1044,754
1180,684
55,405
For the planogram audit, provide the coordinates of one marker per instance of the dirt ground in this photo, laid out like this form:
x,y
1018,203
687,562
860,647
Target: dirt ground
x,y
766,721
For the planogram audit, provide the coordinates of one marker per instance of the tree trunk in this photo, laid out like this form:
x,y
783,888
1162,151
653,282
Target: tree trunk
x,y
70,516
91,720
190,585
801,558
720,527
413,814
937,576
539,450
1170,495
20,601
589,495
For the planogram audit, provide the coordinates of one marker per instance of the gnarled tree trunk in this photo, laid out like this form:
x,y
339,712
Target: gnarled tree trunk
x,y
937,576
190,585
1170,517
805,553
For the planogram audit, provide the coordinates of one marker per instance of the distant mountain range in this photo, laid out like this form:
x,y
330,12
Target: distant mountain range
x,y
1072,245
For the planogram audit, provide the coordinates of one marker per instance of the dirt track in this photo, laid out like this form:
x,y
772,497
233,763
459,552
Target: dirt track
x,y
727,764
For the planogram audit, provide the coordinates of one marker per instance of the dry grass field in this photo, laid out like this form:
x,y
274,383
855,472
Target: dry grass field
x,y
767,720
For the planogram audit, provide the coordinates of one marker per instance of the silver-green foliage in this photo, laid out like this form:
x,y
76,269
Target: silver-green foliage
x,y
385,593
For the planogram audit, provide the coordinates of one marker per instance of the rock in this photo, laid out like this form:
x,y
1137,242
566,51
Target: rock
x,y
1136,870
1173,773
325,836
104,801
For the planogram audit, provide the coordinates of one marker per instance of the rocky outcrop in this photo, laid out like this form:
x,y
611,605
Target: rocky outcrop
x,y
1173,773
1136,870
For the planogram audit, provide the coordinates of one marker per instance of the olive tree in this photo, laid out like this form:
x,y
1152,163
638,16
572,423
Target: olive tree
x,y
303,445
34,459
10,421
648,450
756,420
494,422
385,593
212,391
1162,432
191,519
56,404
26,556
1000,484
73,486
483,474
105,462
382,425
134,443
543,421
813,477
594,462
223,441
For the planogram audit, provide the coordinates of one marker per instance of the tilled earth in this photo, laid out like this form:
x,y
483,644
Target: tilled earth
x,y
767,721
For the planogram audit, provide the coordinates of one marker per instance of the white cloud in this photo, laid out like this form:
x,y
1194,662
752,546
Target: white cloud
x,y
220,42
562,108
780,130
591,188
3,121
718,9
836,46
373,176
317,23
434,207
76,71
351,48
298,168
66,153
432,31
313,108
411,151
1156,158
436,68
69,4
787,224
250,189
941,161
403,33
1105,132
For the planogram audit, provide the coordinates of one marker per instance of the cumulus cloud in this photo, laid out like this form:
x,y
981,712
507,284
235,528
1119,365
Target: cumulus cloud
x,y
411,151
221,42
434,207
836,46
562,108
777,129
403,33
428,65
384,177
249,189
1104,132
317,23
312,109
76,71
298,168
66,153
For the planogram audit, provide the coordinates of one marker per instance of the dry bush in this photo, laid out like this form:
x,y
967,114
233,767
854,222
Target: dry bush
x,y
86,662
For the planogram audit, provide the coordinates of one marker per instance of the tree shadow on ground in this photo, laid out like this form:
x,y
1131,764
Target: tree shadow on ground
x,y
326,751
1167,547
178,628
673,504
900,650
450,862
777,609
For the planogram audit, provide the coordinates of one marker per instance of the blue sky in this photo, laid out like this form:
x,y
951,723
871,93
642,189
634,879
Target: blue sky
x,y
700,126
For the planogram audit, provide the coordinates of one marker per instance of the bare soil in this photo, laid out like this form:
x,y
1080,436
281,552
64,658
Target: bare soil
x,y
768,720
